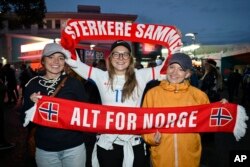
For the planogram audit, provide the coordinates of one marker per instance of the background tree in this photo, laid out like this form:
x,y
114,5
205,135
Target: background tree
x,y
22,13
4,9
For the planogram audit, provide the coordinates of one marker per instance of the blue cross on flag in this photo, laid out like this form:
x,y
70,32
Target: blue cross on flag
x,y
49,111
220,117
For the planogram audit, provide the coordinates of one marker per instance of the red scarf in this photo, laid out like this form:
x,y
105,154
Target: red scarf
x,y
72,115
80,30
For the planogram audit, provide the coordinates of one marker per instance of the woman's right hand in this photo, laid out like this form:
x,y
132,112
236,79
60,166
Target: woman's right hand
x,y
71,62
35,96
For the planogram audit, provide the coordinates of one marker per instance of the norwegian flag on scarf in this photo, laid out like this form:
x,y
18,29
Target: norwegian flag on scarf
x,y
49,111
220,117
72,115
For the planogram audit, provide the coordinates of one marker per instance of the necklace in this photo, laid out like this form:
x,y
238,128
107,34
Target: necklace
x,y
49,84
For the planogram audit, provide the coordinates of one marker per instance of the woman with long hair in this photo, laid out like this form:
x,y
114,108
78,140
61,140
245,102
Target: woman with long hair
x,y
120,85
56,147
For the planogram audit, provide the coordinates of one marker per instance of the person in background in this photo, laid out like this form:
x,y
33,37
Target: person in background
x,y
56,147
11,80
101,64
4,144
246,87
181,149
152,63
233,83
209,81
24,77
120,85
211,84
194,78
138,65
239,80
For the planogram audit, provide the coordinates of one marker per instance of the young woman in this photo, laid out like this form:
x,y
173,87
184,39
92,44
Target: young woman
x,y
210,80
183,150
56,147
120,85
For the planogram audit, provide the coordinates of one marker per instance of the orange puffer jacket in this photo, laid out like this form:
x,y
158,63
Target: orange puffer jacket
x,y
175,150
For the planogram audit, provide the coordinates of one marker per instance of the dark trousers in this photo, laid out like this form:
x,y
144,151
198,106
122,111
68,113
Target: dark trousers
x,y
12,95
114,158
2,138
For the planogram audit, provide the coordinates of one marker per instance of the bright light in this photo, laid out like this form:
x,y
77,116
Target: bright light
x,y
57,40
34,46
190,47
92,46
190,35
30,57
164,51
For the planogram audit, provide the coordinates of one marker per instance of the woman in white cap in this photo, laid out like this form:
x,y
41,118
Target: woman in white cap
x,y
120,85
56,147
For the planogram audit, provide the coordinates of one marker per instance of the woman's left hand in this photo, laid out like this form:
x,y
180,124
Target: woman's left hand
x,y
35,96
223,101
157,137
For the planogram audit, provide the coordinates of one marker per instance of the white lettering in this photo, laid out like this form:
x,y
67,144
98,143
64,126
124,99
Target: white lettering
x,y
120,121
75,119
131,121
192,118
68,30
139,32
85,118
101,27
84,29
110,28
181,122
237,158
160,34
159,120
92,27
171,120
74,25
96,113
89,119
240,158
109,119
148,121
127,29
149,32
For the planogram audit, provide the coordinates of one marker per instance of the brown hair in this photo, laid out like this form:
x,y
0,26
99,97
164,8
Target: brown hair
x,y
130,83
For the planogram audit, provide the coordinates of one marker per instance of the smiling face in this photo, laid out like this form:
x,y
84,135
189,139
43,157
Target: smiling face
x,y
120,59
175,73
54,65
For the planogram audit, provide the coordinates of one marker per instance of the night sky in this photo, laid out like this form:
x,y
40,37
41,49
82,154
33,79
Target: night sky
x,y
215,21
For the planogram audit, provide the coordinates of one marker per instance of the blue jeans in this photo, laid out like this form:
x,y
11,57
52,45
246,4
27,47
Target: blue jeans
x,y
73,157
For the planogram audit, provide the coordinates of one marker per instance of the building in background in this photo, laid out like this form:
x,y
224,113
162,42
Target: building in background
x,y
235,56
25,45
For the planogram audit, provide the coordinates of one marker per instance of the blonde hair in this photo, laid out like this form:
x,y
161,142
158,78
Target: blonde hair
x,y
130,79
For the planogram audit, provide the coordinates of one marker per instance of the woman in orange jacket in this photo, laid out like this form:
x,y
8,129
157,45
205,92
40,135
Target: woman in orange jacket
x,y
168,149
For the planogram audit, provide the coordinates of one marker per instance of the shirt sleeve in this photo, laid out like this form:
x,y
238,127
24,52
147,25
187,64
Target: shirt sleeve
x,y
88,72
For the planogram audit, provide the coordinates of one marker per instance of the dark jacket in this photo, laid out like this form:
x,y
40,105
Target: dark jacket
x,y
51,139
